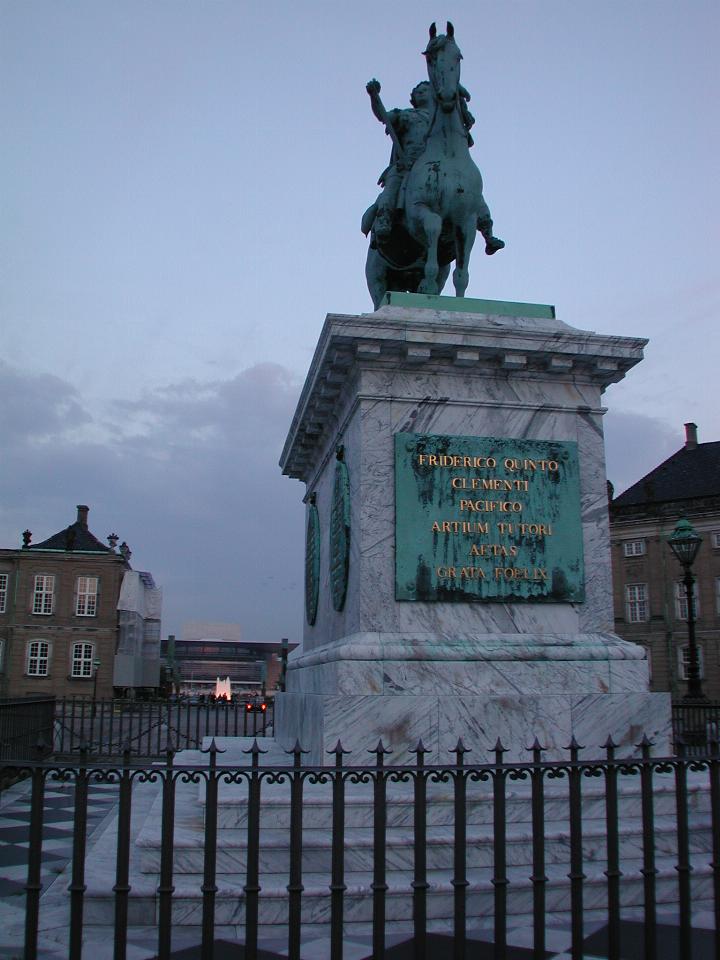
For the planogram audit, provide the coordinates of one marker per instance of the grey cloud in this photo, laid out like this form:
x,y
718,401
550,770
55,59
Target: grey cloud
x,y
197,493
634,445
37,406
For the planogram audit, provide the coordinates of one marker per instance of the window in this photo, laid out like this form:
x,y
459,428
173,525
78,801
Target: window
x,y
86,597
715,537
636,602
43,594
717,595
634,548
82,660
681,604
38,658
3,591
684,662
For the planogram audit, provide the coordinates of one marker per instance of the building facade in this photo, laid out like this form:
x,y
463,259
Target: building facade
x,y
649,595
61,604
208,652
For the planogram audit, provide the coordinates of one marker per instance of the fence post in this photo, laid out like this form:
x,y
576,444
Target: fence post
x,y
538,878
613,872
379,884
459,880
714,772
337,881
166,889
252,883
122,864
34,884
295,886
683,853
576,875
77,885
209,887
420,884
648,868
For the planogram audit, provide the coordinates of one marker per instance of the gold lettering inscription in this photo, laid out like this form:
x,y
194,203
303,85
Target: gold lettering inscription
x,y
491,506
494,483
459,526
445,460
515,463
492,550
536,529
520,573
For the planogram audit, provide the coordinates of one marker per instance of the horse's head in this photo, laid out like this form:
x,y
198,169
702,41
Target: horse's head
x,y
443,61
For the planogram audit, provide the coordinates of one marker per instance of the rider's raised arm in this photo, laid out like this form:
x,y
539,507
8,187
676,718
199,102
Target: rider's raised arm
x,y
376,104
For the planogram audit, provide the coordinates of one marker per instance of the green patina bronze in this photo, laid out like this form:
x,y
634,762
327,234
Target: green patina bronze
x,y
340,534
431,205
312,564
487,519
497,308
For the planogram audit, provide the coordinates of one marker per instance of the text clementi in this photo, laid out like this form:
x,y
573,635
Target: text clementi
x,y
488,483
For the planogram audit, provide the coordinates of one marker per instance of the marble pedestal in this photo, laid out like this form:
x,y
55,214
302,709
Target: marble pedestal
x,y
400,671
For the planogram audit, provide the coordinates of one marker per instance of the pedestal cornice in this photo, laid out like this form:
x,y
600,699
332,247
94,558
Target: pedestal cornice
x,y
478,343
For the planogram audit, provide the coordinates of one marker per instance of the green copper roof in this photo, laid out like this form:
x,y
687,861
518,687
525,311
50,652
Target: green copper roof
x,y
502,308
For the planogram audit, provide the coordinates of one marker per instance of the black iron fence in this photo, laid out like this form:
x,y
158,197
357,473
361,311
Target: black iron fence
x,y
472,813
696,723
148,728
23,724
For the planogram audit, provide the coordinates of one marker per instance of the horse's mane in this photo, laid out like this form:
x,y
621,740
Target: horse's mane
x,y
436,44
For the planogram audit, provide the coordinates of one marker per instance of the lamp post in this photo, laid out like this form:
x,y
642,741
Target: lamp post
x,y
283,663
685,543
96,667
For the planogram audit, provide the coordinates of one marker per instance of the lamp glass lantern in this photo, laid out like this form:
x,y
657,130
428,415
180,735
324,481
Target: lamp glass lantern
x,y
685,542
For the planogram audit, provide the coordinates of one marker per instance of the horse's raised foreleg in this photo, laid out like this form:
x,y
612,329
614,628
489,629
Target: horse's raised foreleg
x,y
464,240
431,224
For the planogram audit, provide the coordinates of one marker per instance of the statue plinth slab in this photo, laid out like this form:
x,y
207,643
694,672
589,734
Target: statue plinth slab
x,y
519,665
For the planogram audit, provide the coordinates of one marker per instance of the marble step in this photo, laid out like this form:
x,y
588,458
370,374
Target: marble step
x,y
440,809
357,904
359,847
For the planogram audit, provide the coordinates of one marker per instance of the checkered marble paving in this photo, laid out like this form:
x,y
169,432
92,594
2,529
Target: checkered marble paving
x,y
56,846
57,831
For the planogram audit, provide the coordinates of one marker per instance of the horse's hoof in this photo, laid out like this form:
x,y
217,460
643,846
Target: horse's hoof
x,y
493,245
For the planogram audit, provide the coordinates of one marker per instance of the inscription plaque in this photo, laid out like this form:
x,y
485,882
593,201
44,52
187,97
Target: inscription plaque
x,y
487,519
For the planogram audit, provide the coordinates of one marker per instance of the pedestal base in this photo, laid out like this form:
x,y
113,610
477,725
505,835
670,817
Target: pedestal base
x,y
402,688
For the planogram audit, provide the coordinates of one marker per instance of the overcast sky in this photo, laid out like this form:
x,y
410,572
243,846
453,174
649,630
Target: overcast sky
x,y
181,191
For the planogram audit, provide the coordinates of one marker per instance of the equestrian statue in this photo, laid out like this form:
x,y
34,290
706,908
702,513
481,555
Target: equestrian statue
x,y
431,204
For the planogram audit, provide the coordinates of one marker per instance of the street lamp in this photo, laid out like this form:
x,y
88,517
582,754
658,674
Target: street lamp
x,y
685,543
283,663
96,667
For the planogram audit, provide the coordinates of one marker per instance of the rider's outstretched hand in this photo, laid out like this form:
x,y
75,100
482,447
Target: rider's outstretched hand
x,y
373,87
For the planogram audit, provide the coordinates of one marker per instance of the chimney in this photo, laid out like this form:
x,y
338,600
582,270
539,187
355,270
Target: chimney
x,y
691,436
82,515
